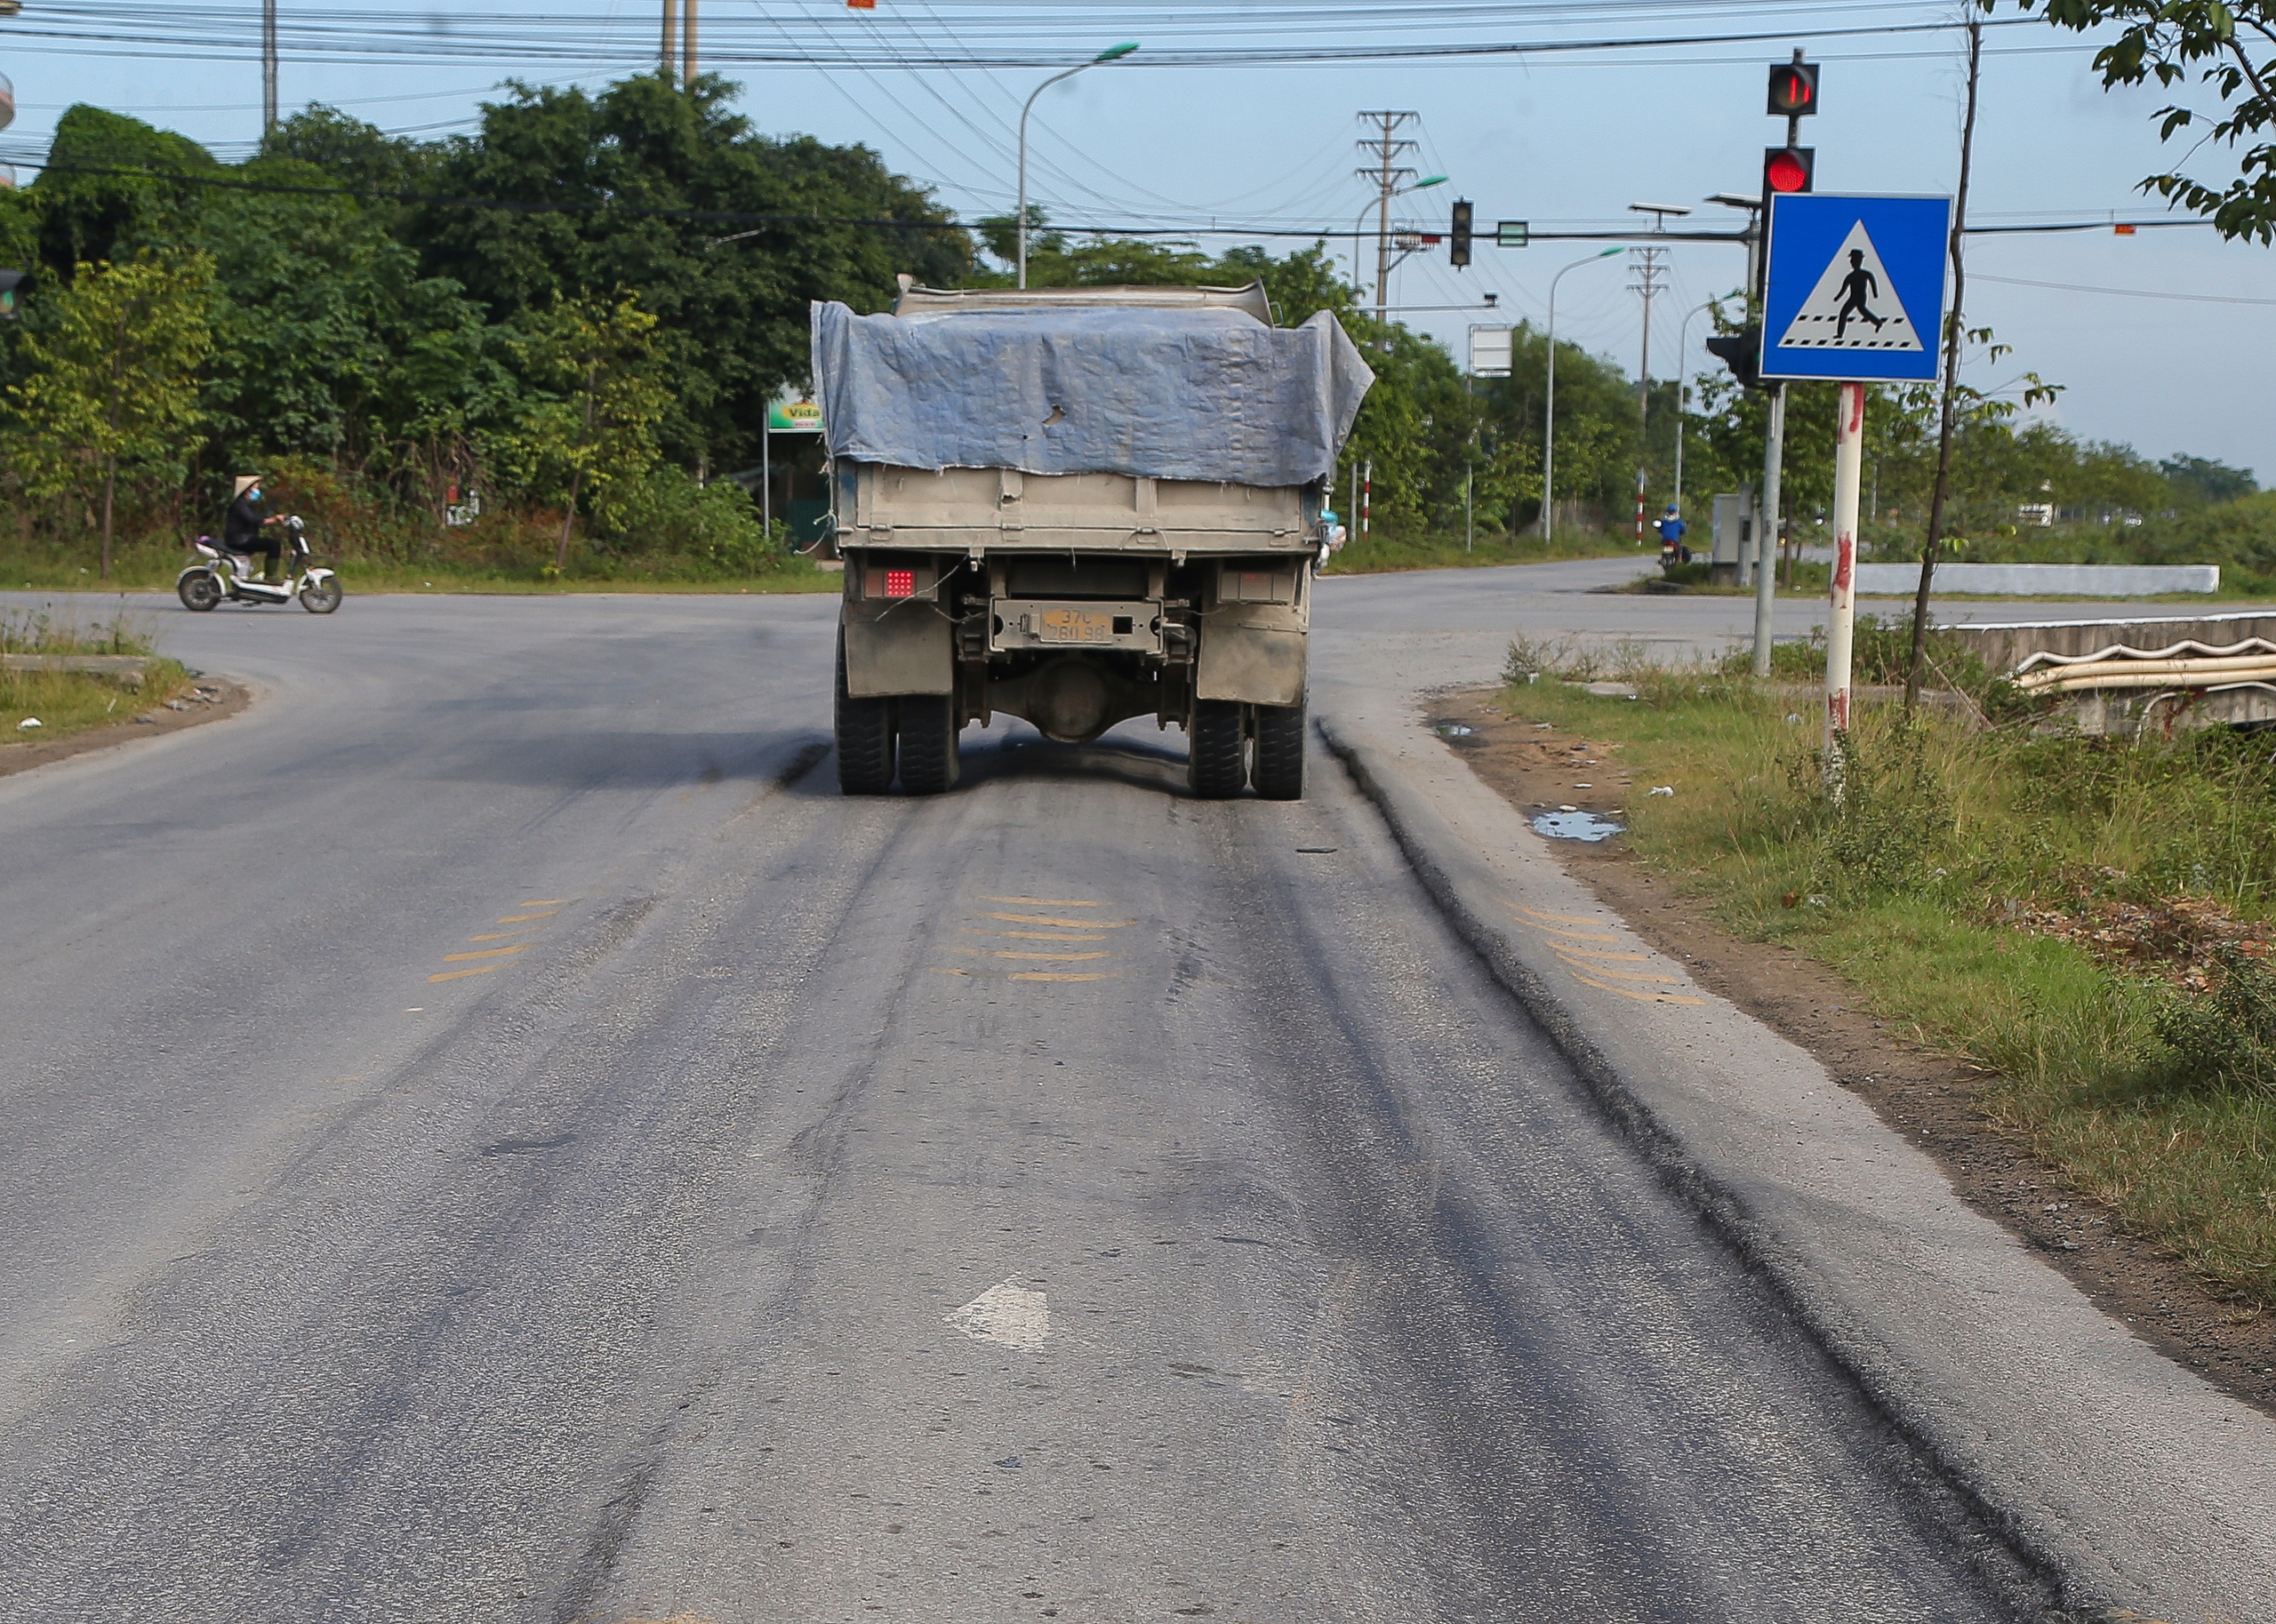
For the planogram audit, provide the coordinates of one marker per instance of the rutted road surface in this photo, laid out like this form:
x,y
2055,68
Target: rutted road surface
x,y
491,1135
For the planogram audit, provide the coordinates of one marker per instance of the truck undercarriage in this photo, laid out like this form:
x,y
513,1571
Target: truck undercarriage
x,y
1078,628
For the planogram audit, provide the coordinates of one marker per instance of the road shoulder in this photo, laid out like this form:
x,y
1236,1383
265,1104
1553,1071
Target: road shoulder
x,y
2134,1482
194,709
1928,1097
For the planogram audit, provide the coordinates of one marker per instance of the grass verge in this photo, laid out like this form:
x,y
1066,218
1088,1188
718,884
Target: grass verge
x,y
2086,920
40,706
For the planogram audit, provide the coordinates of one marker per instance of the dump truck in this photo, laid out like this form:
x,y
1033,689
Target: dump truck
x,y
1078,507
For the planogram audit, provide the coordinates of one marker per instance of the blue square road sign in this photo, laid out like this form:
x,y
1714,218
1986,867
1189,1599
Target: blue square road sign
x,y
1855,287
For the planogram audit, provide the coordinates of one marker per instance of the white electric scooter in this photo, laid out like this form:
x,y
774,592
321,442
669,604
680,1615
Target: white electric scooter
x,y
217,575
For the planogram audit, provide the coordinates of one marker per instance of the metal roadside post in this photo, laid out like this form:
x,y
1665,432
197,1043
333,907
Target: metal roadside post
x,y
1853,292
1490,357
1841,619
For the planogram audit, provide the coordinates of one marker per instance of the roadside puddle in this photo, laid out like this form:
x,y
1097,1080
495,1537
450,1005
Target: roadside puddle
x,y
1576,826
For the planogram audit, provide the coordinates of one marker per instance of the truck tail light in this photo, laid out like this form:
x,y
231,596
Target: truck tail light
x,y
900,583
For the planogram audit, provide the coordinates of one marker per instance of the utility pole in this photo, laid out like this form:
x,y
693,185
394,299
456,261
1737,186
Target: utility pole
x,y
1648,267
268,67
669,55
1385,147
687,46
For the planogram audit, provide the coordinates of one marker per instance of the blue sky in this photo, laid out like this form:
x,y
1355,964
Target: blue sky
x,y
1564,140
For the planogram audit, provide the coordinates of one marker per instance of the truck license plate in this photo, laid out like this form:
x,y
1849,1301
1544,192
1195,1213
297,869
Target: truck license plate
x,y
1063,624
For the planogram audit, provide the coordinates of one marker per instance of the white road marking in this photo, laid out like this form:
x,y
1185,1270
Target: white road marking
x,y
1008,1313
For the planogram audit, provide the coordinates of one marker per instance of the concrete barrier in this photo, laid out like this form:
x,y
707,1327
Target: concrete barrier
x,y
2041,580
128,665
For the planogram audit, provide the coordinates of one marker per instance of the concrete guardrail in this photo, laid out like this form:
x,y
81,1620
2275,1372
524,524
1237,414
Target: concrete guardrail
x,y
92,665
2041,580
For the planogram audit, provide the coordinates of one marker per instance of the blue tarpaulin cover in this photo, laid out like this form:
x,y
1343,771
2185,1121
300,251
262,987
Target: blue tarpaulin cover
x,y
1192,393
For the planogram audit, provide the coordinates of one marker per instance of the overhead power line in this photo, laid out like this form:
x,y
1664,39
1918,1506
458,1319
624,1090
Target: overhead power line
x,y
2074,287
195,33
237,182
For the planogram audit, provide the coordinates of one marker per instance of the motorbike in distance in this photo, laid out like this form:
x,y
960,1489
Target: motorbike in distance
x,y
215,576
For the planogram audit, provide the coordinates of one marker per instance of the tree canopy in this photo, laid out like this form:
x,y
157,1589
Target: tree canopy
x,y
2228,48
579,310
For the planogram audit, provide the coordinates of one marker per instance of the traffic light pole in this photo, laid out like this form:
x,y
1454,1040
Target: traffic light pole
x,y
1766,530
1774,438
1773,456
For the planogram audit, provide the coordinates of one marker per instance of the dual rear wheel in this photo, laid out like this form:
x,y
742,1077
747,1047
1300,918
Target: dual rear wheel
x,y
1223,752
917,734
919,729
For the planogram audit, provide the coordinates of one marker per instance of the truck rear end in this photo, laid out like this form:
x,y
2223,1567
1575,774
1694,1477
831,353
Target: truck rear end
x,y
1079,508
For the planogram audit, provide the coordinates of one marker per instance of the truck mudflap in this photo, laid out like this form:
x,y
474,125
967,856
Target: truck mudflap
x,y
897,646
1253,652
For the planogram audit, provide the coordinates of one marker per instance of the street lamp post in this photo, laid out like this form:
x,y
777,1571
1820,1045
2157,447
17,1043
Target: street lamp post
x,y
1384,227
1683,349
1112,53
1548,429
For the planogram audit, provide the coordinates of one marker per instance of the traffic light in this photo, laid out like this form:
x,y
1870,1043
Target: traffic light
x,y
9,280
1794,90
1788,169
1742,352
1458,236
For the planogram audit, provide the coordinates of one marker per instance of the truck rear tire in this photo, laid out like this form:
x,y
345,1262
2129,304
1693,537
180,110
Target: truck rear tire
x,y
928,743
1216,752
1279,771
864,737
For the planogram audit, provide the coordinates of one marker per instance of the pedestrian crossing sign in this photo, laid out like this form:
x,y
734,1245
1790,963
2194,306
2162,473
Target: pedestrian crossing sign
x,y
1856,288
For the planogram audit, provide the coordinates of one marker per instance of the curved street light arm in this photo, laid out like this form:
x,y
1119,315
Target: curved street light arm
x,y
1113,53
1549,426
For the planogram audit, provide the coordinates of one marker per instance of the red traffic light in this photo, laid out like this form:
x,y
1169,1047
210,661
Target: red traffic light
x,y
1794,90
1789,169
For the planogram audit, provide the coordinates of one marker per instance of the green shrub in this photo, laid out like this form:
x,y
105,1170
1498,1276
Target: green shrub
x,y
2225,1037
713,527
1893,813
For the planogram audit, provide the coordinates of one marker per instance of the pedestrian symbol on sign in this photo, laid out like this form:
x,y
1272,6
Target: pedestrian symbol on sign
x,y
1853,306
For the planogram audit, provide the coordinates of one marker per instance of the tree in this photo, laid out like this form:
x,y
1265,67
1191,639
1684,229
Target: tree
x,y
2200,482
111,377
596,401
625,179
2213,41
331,341
107,190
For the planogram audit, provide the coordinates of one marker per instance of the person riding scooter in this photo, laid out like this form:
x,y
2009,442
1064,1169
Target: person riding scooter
x,y
242,528
1671,529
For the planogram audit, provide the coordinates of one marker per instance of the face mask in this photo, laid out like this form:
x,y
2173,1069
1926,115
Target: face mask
x,y
253,494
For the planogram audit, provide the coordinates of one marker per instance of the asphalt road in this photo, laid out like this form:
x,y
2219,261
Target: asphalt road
x,y
491,1135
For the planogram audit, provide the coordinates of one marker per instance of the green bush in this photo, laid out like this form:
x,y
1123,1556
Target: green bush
x,y
713,527
2225,1037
